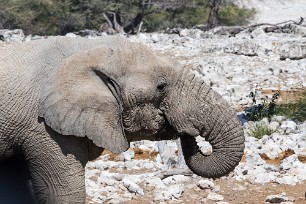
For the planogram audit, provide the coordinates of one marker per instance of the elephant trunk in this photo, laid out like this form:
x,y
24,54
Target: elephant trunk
x,y
201,111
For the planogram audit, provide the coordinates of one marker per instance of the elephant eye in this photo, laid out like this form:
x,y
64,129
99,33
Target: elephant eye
x,y
161,85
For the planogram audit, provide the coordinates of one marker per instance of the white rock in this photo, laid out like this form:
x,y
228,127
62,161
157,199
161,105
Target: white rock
x,y
215,197
132,187
205,146
91,184
288,162
287,179
206,184
118,177
289,126
258,33
148,166
184,32
116,199
99,198
107,180
16,35
278,118
128,155
171,193
155,182
71,35
176,179
255,159
264,177
279,198
274,125
134,164
101,165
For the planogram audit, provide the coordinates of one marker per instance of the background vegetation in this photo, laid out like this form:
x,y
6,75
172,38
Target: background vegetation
x,y
51,17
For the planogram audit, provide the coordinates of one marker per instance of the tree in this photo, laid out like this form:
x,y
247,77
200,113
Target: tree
x,y
213,14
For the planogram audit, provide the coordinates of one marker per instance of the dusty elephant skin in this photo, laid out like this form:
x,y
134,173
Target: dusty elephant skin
x,y
63,100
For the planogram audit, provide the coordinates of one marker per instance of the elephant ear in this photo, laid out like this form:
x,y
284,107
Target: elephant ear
x,y
81,97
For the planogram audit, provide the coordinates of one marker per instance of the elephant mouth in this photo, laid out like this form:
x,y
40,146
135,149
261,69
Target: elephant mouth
x,y
157,129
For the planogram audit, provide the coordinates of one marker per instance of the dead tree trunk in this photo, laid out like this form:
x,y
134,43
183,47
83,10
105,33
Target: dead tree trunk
x,y
116,26
114,22
213,14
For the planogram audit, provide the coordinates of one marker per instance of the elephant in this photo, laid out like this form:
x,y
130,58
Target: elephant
x,y
64,100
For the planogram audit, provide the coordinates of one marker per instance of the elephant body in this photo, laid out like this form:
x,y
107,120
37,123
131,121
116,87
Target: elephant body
x,y
63,100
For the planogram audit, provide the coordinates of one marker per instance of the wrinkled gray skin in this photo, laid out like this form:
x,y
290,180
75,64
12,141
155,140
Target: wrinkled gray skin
x,y
63,100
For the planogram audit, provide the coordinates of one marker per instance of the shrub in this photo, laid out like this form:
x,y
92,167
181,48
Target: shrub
x,y
258,130
52,17
157,21
266,109
294,110
232,15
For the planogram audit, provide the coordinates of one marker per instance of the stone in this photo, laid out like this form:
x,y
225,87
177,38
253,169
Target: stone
x,y
254,158
118,177
176,179
132,187
206,184
71,35
215,197
116,199
258,33
274,125
264,177
289,126
133,164
107,180
279,198
171,193
128,155
184,33
287,179
101,165
298,30
155,182
16,35
205,147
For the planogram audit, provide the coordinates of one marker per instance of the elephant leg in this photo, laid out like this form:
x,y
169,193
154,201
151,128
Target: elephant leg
x,y
57,174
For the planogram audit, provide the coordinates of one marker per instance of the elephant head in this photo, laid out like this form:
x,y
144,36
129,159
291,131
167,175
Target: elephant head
x,y
120,91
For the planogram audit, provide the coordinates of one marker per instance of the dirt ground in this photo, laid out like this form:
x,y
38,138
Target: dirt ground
x,y
233,191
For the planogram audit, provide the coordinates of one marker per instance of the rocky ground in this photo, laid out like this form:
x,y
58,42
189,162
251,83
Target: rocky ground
x,y
273,169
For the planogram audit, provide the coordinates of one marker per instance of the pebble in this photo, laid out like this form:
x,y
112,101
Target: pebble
x,y
206,184
132,187
215,197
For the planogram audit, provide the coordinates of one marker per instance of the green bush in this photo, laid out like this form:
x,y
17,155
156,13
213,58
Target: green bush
x,y
192,16
157,21
259,130
266,109
294,110
53,17
232,15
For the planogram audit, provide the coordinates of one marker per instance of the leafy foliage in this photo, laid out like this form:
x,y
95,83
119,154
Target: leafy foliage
x,y
50,17
266,109
294,110
258,130
232,15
